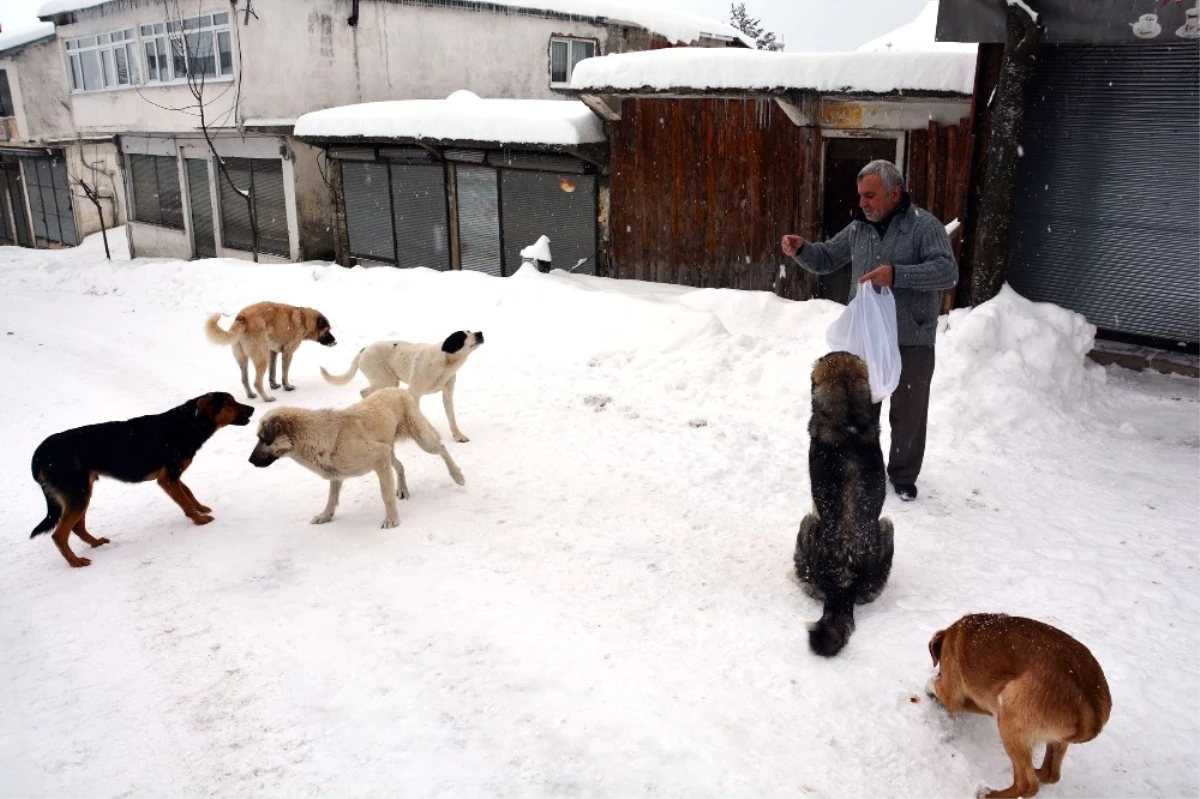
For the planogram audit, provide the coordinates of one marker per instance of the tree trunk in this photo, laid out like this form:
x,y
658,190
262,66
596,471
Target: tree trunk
x,y
995,213
103,230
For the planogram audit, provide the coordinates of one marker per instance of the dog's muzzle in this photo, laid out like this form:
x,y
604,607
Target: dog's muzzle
x,y
478,338
262,459
243,417
327,340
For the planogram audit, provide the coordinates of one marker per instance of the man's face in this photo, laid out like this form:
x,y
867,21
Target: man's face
x,y
875,201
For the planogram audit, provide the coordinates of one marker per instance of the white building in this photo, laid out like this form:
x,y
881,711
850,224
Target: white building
x,y
47,170
176,87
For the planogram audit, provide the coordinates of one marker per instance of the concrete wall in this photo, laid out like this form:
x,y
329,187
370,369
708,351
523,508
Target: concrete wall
x,y
314,202
399,51
38,81
99,165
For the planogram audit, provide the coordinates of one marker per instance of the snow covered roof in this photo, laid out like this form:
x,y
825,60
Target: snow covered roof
x,y
20,38
678,27
700,69
460,117
918,35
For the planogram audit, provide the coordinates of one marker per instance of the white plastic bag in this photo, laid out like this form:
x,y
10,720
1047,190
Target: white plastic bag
x,y
867,328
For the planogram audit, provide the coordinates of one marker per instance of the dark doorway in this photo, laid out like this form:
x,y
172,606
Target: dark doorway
x,y
843,159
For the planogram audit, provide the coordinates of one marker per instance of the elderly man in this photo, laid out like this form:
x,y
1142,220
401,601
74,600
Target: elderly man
x,y
892,242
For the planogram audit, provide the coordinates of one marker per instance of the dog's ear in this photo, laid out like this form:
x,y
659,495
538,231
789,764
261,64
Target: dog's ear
x,y
935,646
322,322
454,342
267,431
205,405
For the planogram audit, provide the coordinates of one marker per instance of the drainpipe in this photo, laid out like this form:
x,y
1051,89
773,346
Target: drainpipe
x,y
353,20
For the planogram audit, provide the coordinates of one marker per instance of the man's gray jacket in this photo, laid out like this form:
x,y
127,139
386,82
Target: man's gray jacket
x,y
917,246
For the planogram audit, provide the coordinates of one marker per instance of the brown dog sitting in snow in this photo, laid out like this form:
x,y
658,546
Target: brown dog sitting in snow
x,y
1040,684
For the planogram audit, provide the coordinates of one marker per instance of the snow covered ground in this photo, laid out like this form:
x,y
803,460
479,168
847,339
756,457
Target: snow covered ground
x,y
604,608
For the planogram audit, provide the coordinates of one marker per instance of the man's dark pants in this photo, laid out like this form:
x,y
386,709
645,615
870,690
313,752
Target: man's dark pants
x,y
909,415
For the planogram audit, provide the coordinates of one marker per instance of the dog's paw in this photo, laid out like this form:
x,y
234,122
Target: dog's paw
x,y
203,508
460,438
458,478
273,385
402,493
202,518
286,387
268,399
389,523
81,562
321,518
100,542
251,395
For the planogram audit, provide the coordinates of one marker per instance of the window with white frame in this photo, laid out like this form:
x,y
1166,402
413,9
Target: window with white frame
x,y
565,54
104,61
199,47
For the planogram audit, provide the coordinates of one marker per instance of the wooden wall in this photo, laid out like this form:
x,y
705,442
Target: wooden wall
x,y
702,190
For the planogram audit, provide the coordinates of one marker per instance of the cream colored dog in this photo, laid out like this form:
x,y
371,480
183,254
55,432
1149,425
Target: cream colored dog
x,y
337,444
424,368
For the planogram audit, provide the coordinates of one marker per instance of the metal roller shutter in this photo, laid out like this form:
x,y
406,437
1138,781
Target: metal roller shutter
x,y
478,219
263,178
419,208
560,206
170,197
49,193
235,214
11,174
368,210
1107,218
270,206
201,202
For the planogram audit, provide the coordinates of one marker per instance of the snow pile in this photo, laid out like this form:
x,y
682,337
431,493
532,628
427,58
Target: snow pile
x,y
709,68
11,40
1012,364
919,35
463,117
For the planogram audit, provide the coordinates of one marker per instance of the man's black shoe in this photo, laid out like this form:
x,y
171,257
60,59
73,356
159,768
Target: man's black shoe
x,y
906,491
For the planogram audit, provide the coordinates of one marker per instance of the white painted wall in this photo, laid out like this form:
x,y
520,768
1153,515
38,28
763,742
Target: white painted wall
x,y
301,55
37,81
147,108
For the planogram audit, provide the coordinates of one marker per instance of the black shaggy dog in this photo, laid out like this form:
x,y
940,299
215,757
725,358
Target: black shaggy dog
x,y
844,550
158,447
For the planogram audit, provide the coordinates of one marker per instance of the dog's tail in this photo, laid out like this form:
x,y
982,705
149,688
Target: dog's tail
x,y
53,514
827,636
218,336
342,379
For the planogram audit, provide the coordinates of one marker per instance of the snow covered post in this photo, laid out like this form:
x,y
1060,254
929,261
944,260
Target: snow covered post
x,y
1000,181
537,254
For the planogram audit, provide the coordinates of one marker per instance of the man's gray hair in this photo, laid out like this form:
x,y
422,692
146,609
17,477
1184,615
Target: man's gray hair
x,y
887,172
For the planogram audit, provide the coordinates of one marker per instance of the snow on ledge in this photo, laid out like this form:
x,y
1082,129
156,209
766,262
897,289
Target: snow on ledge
x,y
20,38
686,68
460,117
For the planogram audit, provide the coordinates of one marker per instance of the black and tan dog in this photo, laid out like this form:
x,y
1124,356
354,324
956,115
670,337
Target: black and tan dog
x,y
158,447
844,550
1040,683
265,330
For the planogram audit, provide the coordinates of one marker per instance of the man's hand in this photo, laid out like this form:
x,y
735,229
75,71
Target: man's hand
x,y
879,276
791,244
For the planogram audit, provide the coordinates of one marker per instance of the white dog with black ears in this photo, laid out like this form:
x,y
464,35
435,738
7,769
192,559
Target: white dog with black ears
x,y
424,368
